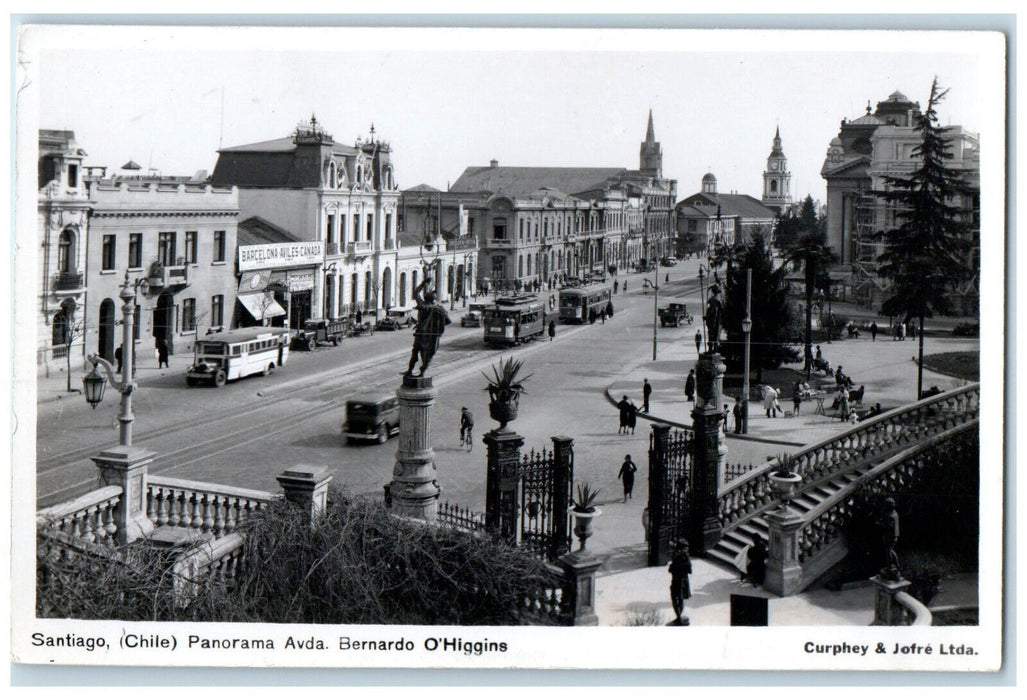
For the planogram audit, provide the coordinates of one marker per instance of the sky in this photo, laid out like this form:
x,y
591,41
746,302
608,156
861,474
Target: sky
x,y
450,99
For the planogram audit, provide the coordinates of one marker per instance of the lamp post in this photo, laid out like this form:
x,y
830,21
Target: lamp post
x,y
656,309
747,329
94,383
702,297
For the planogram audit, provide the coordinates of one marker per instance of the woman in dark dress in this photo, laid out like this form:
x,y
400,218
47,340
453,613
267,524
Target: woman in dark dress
x,y
627,476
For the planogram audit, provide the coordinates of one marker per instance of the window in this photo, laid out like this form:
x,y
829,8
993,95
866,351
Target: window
x,y
219,246
166,248
368,288
330,228
72,175
388,225
217,310
499,228
66,252
370,227
356,228
190,247
107,256
188,315
135,250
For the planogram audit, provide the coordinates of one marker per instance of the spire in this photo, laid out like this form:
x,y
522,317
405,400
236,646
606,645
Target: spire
x,y
650,133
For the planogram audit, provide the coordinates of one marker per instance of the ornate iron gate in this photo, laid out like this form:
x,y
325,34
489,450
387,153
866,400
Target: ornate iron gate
x,y
670,486
546,479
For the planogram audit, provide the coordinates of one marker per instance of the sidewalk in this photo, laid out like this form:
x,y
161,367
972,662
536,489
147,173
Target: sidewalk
x,y
627,589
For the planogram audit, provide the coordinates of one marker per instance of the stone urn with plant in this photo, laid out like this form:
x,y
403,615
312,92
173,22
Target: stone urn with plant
x,y
583,508
784,479
505,386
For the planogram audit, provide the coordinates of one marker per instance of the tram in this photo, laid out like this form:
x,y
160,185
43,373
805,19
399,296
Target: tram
x,y
578,303
513,320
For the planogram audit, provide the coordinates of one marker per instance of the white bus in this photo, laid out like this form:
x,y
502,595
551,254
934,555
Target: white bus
x,y
219,357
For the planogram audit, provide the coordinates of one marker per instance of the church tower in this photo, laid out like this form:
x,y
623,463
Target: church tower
x,y
777,181
650,155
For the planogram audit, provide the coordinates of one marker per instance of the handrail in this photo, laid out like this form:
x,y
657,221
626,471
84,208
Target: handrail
x,y
751,493
215,508
89,518
917,614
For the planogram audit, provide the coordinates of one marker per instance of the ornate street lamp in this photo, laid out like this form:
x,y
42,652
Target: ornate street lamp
x,y
94,383
656,308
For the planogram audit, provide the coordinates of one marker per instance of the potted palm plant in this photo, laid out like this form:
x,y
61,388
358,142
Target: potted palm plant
x,y
784,479
505,386
583,508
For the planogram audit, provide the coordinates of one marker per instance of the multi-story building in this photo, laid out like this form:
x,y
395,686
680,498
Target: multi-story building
x,y
777,180
866,150
539,224
346,197
710,218
177,233
63,220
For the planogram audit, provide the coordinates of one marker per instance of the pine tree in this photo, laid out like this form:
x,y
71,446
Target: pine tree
x,y
771,315
923,253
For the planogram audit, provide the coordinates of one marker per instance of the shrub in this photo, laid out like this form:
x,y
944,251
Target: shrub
x,y
650,617
967,330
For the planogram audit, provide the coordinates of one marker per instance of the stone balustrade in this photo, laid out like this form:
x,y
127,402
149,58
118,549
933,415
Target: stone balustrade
x,y
914,613
891,432
213,508
88,518
219,561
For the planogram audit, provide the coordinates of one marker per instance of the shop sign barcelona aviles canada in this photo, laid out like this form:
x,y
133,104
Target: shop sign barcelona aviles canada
x,y
280,254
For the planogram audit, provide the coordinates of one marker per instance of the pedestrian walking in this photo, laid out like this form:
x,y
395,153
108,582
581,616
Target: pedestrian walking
x,y
796,398
552,330
118,356
698,340
912,330
622,407
360,317
873,331
627,476
680,590
666,280
625,286
591,315
602,315
616,286
647,391
690,386
162,353
632,416
770,401
739,411
609,309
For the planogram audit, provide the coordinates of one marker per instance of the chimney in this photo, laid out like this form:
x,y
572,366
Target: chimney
x,y
493,163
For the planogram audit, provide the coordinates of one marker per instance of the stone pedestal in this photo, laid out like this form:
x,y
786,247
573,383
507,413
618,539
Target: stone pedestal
x,y
784,572
414,490
307,487
710,449
579,592
888,611
127,467
502,482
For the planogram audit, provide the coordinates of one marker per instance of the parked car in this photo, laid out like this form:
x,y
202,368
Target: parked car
x,y
473,317
372,417
395,320
320,330
668,262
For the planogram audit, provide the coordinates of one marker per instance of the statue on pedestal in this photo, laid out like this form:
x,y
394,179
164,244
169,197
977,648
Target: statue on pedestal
x,y
432,320
714,317
889,524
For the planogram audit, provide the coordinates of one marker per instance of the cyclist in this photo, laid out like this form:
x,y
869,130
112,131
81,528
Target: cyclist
x,y
466,425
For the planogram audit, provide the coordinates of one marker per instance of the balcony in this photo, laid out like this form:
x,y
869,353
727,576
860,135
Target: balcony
x,y
500,244
333,249
67,281
168,276
390,243
359,249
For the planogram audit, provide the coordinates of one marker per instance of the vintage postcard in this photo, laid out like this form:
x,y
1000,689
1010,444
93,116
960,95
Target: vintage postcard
x,y
482,348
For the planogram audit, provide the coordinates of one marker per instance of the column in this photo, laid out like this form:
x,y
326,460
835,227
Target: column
x,y
709,451
579,587
784,572
502,482
127,467
414,490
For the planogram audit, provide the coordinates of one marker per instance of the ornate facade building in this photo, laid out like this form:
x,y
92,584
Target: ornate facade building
x,y
709,218
63,225
346,197
538,225
866,150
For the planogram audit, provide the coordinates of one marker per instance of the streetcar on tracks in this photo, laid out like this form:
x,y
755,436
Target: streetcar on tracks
x,y
578,304
514,320
221,357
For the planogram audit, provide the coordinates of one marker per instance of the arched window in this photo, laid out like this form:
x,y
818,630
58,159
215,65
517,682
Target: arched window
x,y
402,289
368,288
520,266
773,186
529,264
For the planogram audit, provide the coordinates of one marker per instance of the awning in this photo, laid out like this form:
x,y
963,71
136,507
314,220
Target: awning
x,y
261,305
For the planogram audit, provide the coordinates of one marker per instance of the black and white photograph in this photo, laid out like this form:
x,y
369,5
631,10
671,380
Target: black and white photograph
x,y
509,347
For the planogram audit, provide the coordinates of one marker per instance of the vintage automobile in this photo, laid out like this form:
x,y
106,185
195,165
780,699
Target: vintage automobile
x,y
668,262
372,417
472,319
395,320
674,314
320,330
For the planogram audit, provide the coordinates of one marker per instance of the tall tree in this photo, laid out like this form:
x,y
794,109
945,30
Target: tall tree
x,y
808,252
771,315
923,257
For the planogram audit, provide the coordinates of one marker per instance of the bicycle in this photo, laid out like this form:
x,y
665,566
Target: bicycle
x,y
466,439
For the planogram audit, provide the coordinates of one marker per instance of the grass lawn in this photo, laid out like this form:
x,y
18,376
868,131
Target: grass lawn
x,y
962,365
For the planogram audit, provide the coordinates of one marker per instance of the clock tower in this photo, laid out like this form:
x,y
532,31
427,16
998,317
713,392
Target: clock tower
x,y
777,181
